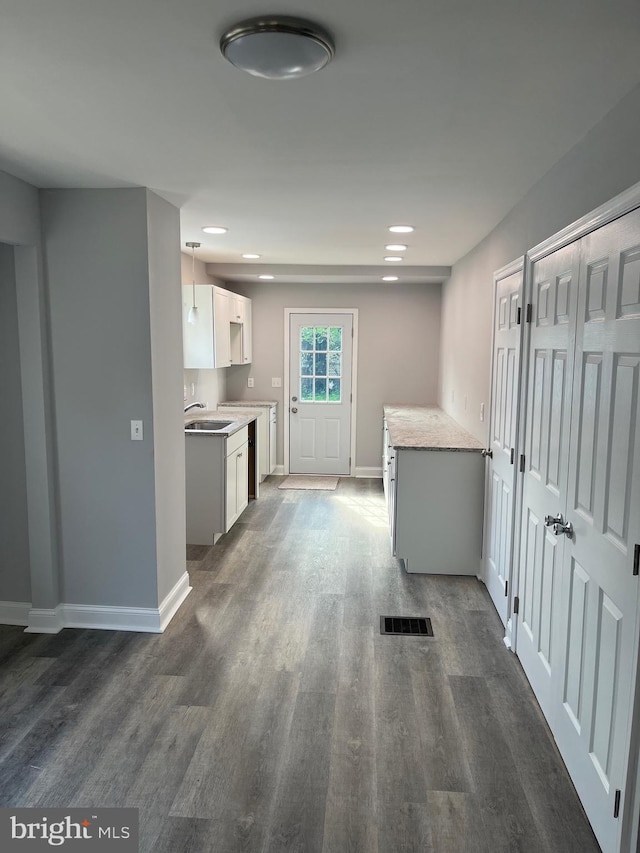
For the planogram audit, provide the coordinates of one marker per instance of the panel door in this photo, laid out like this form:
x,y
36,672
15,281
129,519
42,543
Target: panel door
x,y
501,470
320,391
548,419
599,591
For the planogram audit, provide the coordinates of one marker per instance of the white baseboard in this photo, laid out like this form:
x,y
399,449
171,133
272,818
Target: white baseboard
x,y
278,471
152,620
368,472
171,604
45,621
14,612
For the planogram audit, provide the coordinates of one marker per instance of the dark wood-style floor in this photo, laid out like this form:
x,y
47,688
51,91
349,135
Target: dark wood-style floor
x,y
273,716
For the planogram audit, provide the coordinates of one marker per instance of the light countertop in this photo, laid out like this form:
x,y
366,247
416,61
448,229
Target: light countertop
x,y
239,420
258,404
427,428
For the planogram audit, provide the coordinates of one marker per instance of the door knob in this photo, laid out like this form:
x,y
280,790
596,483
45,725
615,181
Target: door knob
x,y
294,410
551,519
567,529
488,453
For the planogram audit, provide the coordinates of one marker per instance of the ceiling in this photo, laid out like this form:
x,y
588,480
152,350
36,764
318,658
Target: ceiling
x,y
437,113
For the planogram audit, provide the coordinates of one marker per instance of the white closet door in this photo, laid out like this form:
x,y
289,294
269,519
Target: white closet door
x,y
548,420
598,643
501,467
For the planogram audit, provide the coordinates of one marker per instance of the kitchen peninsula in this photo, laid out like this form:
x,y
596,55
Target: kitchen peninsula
x,y
433,474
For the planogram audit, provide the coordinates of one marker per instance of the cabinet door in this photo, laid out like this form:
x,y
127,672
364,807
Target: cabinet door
x,y
198,338
242,479
221,329
273,433
231,500
247,353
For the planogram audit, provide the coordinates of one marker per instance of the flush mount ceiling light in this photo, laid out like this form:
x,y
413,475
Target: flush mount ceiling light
x,y
192,316
389,277
215,229
396,247
401,229
250,256
393,259
266,277
277,47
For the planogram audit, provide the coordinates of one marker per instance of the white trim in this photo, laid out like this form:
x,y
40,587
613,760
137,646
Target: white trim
x,y
45,621
278,471
368,472
607,212
171,604
14,612
509,269
152,620
354,376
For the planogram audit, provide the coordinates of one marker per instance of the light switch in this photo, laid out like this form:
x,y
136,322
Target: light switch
x,y
276,382
250,382
136,431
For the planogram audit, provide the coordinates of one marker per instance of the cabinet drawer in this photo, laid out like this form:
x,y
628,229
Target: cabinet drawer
x,y
237,440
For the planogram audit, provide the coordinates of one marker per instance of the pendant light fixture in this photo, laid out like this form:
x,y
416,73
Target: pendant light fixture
x,y
192,317
278,47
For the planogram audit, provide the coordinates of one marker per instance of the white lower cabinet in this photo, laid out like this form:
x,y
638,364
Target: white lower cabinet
x,y
237,470
435,500
266,432
217,491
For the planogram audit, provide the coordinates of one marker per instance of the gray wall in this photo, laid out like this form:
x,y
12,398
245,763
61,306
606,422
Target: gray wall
x,y
95,244
15,582
398,358
603,164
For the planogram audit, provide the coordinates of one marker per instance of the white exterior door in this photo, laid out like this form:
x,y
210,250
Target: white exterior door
x,y
320,362
501,467
578,636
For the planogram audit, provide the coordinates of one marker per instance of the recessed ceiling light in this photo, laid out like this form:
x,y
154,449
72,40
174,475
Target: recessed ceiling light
x,y
266,277
250,256
393,259
277,47
215,229
389,277
396,247
401,229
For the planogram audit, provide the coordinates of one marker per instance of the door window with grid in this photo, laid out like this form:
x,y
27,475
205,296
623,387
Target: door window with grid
x,y
320,364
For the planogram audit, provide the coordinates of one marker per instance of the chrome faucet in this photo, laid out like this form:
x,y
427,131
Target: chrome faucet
x,y
195,406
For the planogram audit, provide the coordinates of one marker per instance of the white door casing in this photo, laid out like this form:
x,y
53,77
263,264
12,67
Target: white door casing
x,y
319,392
501,468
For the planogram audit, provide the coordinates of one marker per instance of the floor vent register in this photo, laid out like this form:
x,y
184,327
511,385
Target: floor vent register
x,y
409,626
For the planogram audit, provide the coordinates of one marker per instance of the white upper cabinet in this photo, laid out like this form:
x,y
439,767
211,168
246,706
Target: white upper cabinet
x,y
222,334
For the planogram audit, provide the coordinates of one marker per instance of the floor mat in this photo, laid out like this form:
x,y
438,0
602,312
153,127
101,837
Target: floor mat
x,y
309,481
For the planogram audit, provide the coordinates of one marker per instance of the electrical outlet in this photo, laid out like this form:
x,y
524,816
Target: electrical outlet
x,y
481,411
136,431
250,382
276,382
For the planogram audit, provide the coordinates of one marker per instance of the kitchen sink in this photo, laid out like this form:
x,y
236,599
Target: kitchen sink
x,y
206,426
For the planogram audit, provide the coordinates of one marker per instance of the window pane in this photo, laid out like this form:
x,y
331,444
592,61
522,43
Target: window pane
x,y
306,364
321,390
334,390
321,337
321,364
335,338
306,337
306,389
335,364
